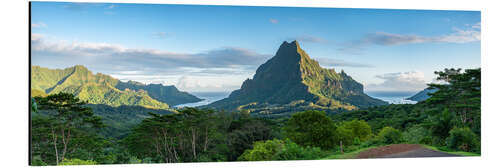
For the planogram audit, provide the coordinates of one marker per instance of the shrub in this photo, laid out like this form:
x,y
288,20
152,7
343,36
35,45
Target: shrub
x,y
441,124
345,134
37,161
353,132
262,151
360,129
389,135
417,135
462,139
292,151
77,162
311,128
280,150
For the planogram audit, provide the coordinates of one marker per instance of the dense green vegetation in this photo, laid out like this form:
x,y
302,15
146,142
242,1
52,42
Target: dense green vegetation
x,y
167,94
311,128
450,118
292,81
103,89
120,120
280,150
67,130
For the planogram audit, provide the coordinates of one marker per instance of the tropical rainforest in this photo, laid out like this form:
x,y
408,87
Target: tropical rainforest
x,y
292,109
66,130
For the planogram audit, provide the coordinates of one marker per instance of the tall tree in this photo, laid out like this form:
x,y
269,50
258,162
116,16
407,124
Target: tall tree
x,y
66,114
461,93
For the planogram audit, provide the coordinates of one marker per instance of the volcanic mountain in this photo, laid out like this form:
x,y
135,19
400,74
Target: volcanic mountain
x,y
104,89
292,81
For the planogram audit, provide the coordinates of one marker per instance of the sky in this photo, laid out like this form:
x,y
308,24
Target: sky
x,y
215,48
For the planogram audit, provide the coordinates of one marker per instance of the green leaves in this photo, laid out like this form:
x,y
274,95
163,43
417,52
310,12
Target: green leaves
x,y
389,135
62,128
77,162
263,151
280,150
461,94
463,139
311,128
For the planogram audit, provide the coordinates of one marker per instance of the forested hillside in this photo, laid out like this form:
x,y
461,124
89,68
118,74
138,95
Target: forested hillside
x,y
66,130
104,89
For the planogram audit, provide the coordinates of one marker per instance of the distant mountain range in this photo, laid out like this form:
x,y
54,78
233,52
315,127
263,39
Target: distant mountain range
x,y
291,80
422,95
104,89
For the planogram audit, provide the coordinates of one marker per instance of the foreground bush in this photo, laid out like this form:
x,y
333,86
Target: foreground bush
x,y
311,128
280,150
77,162
389,135
353,132
417,135
462,139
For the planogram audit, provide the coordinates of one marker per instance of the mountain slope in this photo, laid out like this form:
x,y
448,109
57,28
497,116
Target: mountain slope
x,y
292,80
167,94
96,88
422,95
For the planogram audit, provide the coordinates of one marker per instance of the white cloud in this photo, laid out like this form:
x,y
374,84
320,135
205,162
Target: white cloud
x,y
186,82
38,25
327,62
218,69
203,84
400,81
273,21
36,37
471,33
458,36
105,52
160,35
75,48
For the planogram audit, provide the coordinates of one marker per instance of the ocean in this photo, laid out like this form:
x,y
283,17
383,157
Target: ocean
x,y
208,97
391,97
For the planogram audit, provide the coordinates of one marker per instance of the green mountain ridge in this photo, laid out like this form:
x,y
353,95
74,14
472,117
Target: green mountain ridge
x,y
101,89
167,94
291,80
422,95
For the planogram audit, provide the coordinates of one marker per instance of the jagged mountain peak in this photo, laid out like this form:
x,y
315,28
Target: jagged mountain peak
x,y
80,67
292,77
291,50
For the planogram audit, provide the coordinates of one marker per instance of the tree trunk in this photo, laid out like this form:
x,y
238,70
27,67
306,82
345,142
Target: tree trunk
x,y
175,152
206,139
65,143
55,145
193,142
341,148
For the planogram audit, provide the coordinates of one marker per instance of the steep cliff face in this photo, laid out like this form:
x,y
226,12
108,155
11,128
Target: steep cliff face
x,y
292,79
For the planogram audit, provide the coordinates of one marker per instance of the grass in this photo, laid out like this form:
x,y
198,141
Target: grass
x,y
348,155
462,153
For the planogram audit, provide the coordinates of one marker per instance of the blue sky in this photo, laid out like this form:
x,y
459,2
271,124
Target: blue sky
x,y
215,48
